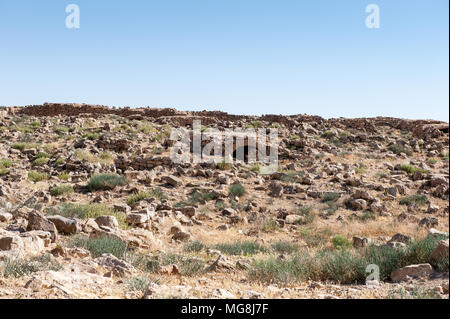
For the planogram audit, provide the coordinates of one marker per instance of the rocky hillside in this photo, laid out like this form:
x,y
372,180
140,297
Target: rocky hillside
x,y
92,206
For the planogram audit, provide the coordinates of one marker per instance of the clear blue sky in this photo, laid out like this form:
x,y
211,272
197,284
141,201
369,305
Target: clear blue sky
x,y
239,56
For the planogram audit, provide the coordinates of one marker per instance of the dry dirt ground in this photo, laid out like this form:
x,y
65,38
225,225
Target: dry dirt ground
x,y
91,206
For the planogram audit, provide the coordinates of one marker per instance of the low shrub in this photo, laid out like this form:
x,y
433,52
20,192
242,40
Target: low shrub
x,y
21,267
85,211
61,190
40,161
64,176
241,248
194,246
99,246
341,242
399,148
284,247
37,176
237,190
410,169
415,200
5,163
105,182
344,266
157,193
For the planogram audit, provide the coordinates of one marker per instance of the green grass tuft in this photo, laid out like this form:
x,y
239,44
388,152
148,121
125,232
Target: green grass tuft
x,y
241,248
98,246
61,190
106,182
237,190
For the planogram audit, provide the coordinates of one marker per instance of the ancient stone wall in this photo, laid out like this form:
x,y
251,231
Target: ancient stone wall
x,y
420,128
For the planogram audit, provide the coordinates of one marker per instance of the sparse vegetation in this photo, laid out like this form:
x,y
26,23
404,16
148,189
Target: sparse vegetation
x,y
256,124
343,266
64,176
99,246
237,190
92,136
37,176
414,200
361,169
341,242
415,293
40,161
20,267
137,283
368,215
194,246
5,163
105,182
307,214
245,248
315,237
410,169
61,190
85,211
285,247
302,224
327,134
195,198
224,166
399,148
270,226
157,193
330,197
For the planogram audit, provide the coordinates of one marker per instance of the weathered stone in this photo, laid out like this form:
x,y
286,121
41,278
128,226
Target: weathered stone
x,y
22,246
229,212
37,221
435,233
393,191
136,218
358,204
119,267
439,253
123,208
275,189
172,180
412,271
11,242
361,242
401,238
108,221
188,211
432,209
5,217
429,222
65,225
182,236
293,219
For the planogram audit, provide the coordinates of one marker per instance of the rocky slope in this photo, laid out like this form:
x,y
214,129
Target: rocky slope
x,y
91,206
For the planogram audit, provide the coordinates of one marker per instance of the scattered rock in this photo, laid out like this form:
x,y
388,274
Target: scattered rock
x,y
108,221
412,271
439,253
37,221
65,225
